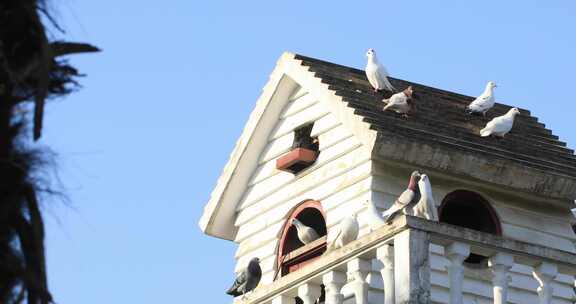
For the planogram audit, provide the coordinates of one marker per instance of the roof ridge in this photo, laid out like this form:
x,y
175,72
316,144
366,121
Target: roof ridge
x,y
303,57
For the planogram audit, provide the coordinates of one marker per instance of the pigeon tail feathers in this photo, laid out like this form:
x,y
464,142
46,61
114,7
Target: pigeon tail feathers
x,y
485,133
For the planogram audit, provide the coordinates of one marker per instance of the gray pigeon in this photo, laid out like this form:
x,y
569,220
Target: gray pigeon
x,y
247,279
405,199
306,234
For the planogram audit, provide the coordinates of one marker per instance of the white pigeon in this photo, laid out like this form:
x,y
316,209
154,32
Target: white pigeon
x,y
500,125
404,199
347,232
306,234
400,102
376,73
374,217
484,102
426,207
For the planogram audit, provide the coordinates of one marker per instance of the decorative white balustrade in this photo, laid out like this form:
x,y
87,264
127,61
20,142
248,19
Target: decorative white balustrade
x,y
402,251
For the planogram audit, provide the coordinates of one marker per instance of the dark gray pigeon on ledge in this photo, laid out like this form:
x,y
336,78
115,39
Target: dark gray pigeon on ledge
x,y
247,279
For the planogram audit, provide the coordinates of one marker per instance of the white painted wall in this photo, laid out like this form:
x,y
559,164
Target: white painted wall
x,y
340,176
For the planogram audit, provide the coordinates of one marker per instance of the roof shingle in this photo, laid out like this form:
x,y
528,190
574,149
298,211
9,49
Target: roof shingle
x,y
440,119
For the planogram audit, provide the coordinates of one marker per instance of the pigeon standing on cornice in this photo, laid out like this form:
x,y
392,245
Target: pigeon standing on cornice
x,y
404,200
247,279
347,231
306,234
373,216
400,103
484,102
426,207
501,125
376,73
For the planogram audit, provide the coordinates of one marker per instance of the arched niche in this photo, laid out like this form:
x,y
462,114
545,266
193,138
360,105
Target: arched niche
x,y
292,253
470,210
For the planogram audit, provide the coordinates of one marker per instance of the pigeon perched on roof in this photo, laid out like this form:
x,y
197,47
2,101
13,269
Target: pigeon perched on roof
x,y
400,103
347,232
405,199
247,279
426,207
500,125
306,234
484,102
374,217
376,73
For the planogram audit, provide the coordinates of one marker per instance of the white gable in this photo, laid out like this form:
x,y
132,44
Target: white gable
x,y
250,160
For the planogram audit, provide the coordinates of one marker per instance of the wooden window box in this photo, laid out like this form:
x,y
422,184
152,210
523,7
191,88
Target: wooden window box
x,y
296,160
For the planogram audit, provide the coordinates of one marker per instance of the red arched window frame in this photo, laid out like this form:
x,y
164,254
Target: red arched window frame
x,y
289,258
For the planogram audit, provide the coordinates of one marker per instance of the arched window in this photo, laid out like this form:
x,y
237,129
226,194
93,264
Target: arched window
x,y
469,209
292,253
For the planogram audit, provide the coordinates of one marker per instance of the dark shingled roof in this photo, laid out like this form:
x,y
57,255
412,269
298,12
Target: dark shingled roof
x,y
439,119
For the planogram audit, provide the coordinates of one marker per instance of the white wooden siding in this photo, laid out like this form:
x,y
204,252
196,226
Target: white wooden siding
x,y
339,177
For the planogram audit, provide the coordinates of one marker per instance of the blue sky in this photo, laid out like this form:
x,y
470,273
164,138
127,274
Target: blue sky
x,y
142,144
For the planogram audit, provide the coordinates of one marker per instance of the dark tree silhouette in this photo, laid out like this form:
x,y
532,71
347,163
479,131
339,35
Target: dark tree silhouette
x,y
31,71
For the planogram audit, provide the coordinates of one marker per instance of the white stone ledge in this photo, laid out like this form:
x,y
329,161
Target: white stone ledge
x,y
439,233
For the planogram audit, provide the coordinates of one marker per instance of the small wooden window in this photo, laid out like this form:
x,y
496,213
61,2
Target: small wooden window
x,y
292,253
470,210
303,153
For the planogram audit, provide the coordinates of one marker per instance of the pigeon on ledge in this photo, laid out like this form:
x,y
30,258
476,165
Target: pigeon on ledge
x,y
306,234
501,125
376,73
247,279
374,217
484,102
400,103
405,199
426,207
347,232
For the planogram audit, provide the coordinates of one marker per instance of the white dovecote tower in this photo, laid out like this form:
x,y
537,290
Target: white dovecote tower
x,y
318,145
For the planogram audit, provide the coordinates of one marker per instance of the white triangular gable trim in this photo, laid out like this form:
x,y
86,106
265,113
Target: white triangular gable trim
x,y
286,79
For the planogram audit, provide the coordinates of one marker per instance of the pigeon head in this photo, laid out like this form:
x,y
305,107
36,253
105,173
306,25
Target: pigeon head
x,y
295,222
424,178
354,214
408,91
254,260
491,84
514,111
413,180
370,52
